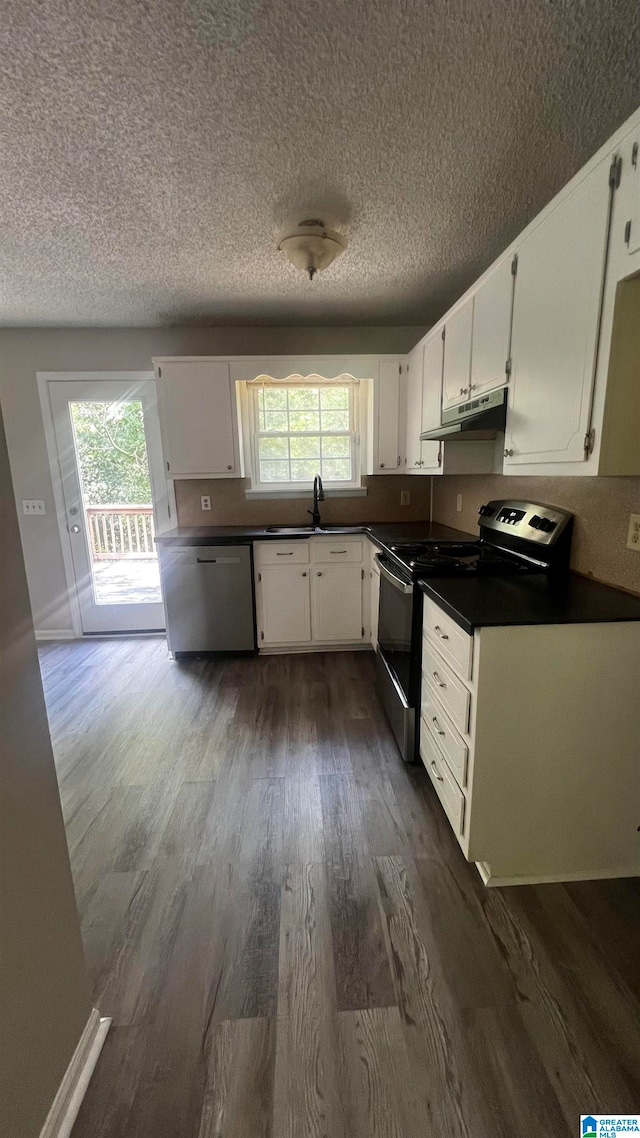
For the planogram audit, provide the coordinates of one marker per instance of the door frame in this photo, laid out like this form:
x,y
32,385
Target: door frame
x,y
44,379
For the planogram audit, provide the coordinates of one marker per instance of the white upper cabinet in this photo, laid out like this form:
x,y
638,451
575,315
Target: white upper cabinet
x,y
432,382
421,458
492,304
423,414
627,222
386,408
555,327
631,174
413,409
456,378
431,452
198,419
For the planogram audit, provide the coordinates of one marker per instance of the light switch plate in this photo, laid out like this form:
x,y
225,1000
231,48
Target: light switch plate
x,y
633,536
459,503
405,497
205,502
33,506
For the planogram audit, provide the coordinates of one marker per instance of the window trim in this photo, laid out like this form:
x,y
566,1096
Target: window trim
x,y
259,489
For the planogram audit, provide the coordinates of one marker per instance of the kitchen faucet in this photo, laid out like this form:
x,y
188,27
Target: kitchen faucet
x,y
318,496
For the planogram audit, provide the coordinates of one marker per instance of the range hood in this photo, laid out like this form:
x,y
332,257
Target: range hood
x,y
479,419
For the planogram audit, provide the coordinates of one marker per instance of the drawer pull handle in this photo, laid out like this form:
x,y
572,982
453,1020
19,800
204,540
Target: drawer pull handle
x,y
438,728
441,634
289,554
435,769
337,551
439,682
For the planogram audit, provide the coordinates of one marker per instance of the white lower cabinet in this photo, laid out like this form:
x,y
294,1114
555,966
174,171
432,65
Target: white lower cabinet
x,y
310,592
284,612
374,597
529,735
336,602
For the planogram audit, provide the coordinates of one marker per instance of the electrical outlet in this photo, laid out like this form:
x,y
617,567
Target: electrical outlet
x,y
33,506
633,536
405,497
205,502
459,503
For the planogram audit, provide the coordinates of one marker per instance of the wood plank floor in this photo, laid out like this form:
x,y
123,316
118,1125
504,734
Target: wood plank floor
x,y
286,933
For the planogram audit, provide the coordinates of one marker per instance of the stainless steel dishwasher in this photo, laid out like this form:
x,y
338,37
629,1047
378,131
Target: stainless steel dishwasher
x,y
208,596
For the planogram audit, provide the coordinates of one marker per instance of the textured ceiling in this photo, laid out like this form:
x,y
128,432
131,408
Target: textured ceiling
x,y
152,150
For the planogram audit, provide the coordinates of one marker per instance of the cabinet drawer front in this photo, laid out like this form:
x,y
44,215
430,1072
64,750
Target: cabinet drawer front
x,y
330,552
447,789
281,552
451,744
452,642
452,693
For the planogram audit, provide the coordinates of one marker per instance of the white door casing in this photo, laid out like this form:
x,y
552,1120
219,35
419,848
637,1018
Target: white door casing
x,y
90,617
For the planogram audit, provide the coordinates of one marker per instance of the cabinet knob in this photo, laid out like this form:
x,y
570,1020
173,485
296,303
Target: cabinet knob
x,y
304,574
319,573
229,468
462,390
508,452
381,465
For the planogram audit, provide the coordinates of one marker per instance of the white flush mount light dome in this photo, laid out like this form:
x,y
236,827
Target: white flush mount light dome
x,y
311,246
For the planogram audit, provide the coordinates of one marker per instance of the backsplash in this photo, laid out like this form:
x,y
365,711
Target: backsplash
x,y
601,507
230,507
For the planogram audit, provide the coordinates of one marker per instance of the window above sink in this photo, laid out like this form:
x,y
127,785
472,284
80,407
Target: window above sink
x,y
301,427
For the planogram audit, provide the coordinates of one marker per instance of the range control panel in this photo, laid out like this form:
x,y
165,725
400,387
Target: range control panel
x,y
531,521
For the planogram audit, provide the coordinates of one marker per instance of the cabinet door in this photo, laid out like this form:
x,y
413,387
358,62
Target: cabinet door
x,y
198,418
457,356
387,418
283,605
336,602
492,329
630,189
413,456
555,327
431,452
375,604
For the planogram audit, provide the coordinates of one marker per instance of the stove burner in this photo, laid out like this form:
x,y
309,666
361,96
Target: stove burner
x,y
455,558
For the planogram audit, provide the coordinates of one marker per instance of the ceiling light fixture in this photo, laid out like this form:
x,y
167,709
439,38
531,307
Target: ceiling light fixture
x,y
312,247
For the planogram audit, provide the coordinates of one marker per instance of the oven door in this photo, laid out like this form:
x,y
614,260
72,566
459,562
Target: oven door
x,y
395,622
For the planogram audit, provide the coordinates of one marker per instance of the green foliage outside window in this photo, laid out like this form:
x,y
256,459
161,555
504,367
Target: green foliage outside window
x,y
112,453
294,441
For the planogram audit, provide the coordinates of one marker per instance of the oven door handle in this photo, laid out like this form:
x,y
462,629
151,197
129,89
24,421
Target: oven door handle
x,y
397,582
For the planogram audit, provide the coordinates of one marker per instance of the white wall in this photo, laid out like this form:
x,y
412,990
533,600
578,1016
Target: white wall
x,y
24,352
44,989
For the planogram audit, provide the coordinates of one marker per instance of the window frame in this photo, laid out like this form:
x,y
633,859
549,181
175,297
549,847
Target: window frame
x,y
302,488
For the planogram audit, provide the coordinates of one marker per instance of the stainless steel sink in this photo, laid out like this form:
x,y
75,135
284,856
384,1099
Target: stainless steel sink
x,y
290,529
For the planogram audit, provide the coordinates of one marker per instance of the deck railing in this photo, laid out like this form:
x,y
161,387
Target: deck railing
x,y
116,532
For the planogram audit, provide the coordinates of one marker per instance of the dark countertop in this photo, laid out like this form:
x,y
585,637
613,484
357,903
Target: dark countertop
x,y
477,602
383,533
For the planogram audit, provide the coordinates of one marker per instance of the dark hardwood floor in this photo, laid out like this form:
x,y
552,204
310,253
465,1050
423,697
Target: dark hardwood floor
x,y
284,929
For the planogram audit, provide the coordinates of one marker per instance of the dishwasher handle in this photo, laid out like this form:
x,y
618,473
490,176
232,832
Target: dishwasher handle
x,y
218,560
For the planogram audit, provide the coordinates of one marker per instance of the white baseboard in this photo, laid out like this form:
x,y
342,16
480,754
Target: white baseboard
x,y
556,878
296,649
72,1089
55,634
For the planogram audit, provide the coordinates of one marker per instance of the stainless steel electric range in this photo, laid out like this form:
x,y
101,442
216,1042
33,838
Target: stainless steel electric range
x,y
515,538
